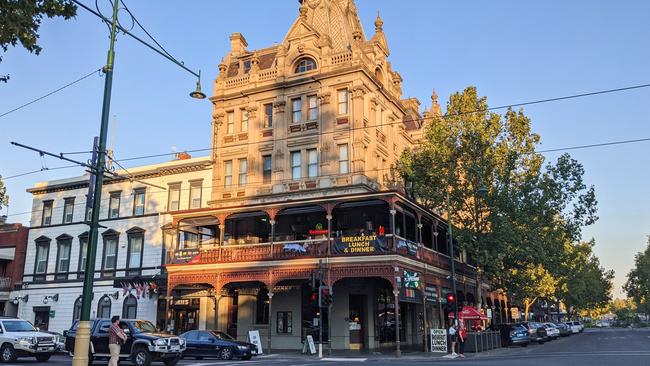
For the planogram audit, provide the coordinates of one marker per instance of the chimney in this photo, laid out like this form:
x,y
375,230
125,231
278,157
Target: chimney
x,y
238,44
182,156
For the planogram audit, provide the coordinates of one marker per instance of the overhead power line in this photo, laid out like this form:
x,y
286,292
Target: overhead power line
x,y
610,143
52,92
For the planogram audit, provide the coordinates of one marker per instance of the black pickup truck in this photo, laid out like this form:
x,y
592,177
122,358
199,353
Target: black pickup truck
x,y
144,345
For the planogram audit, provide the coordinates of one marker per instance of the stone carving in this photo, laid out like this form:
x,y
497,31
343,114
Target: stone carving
x,y
278,107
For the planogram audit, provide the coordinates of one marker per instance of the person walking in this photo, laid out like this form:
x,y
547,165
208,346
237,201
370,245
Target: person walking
x,y
462,336
452,336
116,338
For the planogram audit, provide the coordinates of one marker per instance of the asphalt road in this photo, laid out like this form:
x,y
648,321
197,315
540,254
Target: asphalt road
x,y
594,347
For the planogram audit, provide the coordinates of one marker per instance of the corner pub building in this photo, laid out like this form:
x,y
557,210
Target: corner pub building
x,y
305,135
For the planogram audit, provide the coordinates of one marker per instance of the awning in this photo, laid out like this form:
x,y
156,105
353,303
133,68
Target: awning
x,y
7,253
469,313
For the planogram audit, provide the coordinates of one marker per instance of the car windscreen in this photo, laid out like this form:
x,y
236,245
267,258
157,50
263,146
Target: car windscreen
x,y
223,336
18,326
143,326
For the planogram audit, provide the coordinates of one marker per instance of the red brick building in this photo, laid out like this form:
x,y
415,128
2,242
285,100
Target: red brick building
x,y
13,245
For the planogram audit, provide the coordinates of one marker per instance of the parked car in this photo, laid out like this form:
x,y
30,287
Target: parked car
x,y
212,343
552,330
536,332
143,346
512,334
59,341
581,326
19,338
603,324
575,328
564,329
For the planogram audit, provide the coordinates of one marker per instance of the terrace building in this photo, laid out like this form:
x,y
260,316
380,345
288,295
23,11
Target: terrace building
x,y
305,137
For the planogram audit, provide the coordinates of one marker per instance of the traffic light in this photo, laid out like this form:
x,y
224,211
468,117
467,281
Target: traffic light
x,y
451,302
324,296
314,298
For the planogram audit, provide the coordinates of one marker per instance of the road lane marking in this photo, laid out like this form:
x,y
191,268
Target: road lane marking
x,y
343,359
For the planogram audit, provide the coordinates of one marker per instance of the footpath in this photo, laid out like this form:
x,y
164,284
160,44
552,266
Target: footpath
x,y
361,356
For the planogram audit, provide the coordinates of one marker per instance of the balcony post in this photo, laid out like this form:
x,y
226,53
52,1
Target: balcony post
x,y
398,351
392,227
329,234
268,346
222,229
272,222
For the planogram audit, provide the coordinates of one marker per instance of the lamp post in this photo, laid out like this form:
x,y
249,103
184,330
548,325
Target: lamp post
x,y
82,341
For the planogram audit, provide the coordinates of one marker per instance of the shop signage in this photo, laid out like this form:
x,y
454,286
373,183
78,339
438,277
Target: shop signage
x,y
360,244
411,247
411,279
431,293
445,291
319,230
411,295
186,256
254,338
438,340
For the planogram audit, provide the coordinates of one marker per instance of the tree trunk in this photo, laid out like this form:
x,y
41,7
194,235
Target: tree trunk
x,y
478,289
527,305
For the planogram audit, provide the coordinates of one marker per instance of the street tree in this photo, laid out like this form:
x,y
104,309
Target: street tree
x,y
511,210
587,286
20,21
637,285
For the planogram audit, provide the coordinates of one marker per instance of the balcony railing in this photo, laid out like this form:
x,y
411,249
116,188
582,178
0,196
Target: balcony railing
x,y
352,246
6,283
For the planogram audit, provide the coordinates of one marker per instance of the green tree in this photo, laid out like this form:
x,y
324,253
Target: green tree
x,y
21,19
4,198
587,285
637,285
530,283
511,210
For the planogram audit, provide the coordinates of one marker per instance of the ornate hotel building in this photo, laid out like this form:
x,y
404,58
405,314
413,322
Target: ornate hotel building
x,y
305,137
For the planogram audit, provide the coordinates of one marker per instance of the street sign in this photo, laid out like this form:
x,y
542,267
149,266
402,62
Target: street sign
x,y
438,340
254,338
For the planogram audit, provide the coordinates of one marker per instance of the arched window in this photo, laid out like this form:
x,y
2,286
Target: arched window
x,y
76,310
379,75
130,308
104,307
305,64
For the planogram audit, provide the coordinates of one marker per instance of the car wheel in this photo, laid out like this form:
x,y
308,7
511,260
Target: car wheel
x,y
7,353
43,357
246,358
141,357
226,354
172,362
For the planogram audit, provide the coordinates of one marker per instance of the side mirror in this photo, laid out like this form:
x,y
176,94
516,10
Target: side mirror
x,y
38,329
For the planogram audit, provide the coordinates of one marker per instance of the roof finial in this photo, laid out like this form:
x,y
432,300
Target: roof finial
x,y
378,24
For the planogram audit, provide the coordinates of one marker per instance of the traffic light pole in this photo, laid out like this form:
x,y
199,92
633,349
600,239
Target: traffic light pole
x,y
320,309
82,342
453,260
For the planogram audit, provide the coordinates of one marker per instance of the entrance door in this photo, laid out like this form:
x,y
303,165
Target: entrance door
x,y
356,320
185,320
42,317
232,315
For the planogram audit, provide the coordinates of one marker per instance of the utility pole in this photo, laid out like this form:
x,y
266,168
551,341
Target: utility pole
x,y
320,309
82,342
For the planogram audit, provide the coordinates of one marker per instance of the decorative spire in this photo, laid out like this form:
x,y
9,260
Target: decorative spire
x,y
303,10
379,24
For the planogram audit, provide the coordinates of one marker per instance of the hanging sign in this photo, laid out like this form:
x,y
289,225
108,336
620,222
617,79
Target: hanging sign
x,y
431,293
411,279
368,244
438,340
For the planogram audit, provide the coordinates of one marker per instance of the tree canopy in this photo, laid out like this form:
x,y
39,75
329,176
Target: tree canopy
x,y
637,285
20,21
514,211
4,198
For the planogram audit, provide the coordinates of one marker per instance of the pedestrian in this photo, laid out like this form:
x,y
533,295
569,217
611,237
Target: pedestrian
x,y
452,336
462,336
116,338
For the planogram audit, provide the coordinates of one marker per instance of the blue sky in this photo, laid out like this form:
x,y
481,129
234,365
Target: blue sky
x,y
513,51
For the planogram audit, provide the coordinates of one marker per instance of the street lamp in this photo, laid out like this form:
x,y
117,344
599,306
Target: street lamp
x,y
82,342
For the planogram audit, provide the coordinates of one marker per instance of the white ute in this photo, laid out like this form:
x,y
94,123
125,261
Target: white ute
x,y
19,338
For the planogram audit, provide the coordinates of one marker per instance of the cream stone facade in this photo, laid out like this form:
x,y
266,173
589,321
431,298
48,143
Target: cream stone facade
x,y
305,138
